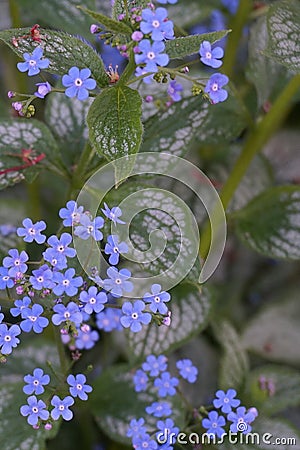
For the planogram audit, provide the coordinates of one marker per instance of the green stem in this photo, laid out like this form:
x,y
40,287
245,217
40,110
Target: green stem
x,y
34,201
64,363
234,38
80,171
254,143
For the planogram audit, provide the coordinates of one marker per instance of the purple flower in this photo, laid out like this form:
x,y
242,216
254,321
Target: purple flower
x,y
8,339
117,281
157,299
5,280
241,420
155,365
151,55
35,410
113,214
214,424
66,282
109,320
36,382
164,2
32,232
86,338
78,388
134,316
64,313
210,57
71,214
89,228
159,409
78,83
94,300
137,36
167,430
166,384
214,87
174,90
187,370
42,278
15,262
140,381
94,29
61,245
33,320
43,89
143,441
56,259
20,305
34,62
136,428
61,407
114,248
156,23
226,400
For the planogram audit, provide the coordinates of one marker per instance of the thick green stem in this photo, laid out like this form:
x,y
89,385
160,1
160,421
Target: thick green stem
x,y
64,363
83,163
254,143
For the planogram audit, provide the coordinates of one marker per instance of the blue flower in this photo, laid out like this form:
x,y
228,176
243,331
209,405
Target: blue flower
x,y
114,248
86,338
210,57
109,320
140,381
78,83
89,228
5,280
226,400
136,428
214,87
43,89
35,410
155,365
64,313
8,339
231,5
42,278
166,385
241,420
174,90
151,55
15,262
61,245
112,214
118,281
167,431
187,370
20,305
159,409
34,62
214,424
1,316
71,214
142,71
61,407
32,319
164,2
36,382
94,300
134,316
7,229
156,23
32,232
78,388
57,260
157,299
66,282
143,441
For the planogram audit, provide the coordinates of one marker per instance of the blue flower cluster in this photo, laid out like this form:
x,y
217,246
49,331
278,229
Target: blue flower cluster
x,y
241,418
154,375
38,411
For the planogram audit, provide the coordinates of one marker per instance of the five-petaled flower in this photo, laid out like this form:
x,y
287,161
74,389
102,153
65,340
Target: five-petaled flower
x,y
156,23
214,424
118,281
33,319
34,62
134,316
35,383
8,339
113,214
226,400
114,248
211,57
78,386
89,228
78,83
151,55
61,407
241,420
35,410
157,299
32,232
15,262
187,370
93,300
214,87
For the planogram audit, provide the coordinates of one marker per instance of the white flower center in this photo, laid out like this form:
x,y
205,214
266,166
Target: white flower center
x,y
157,299
61,407
115,250
66,282
60,248
79,386
36,383
5,278
32,318
78,82
155,23
67,315
208,55
35,410
17,262
150,55
32,62
40,279
90,229
134,315
31,231
118,281
215,87
7,338
92,300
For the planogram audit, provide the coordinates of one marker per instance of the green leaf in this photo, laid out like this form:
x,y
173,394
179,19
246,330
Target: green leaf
x,y
193,120
23,134
12,212
116,26
190,307
234,362
188,45
16,434
114,121
63,50
286,393
124,6
274,333
270,223
284,33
